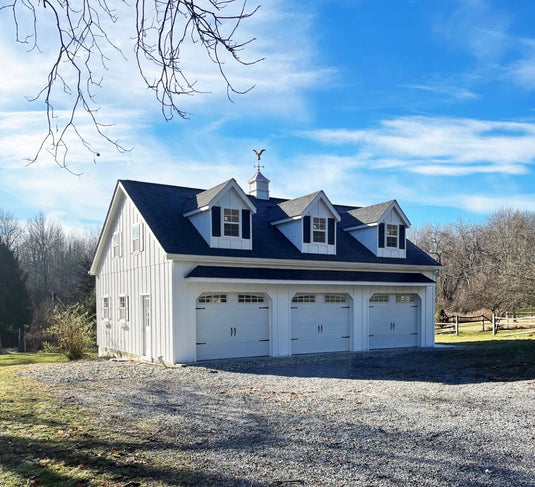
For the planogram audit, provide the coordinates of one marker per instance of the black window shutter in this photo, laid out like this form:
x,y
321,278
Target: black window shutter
x,y
306,229
402,237
330,230
245,224
216,221
381,235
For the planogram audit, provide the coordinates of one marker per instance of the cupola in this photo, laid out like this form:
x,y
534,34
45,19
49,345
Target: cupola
x,y
259,185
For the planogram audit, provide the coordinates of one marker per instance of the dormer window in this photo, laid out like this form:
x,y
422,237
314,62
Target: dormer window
x,y
319,227
392,236
231,222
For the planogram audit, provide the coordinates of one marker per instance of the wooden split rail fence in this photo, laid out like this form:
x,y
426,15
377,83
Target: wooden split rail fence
x,y
507,322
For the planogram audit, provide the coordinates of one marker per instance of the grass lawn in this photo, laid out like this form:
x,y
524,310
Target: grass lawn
x,y
30,358
472,333
44,442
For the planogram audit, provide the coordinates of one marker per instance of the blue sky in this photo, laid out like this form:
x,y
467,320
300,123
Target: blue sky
x,y
426,101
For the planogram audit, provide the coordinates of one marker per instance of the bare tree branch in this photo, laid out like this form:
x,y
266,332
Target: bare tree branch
x,y
162,28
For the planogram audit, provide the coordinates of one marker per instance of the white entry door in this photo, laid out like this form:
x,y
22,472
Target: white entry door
x,y
394,320
232,325
147,350
320,323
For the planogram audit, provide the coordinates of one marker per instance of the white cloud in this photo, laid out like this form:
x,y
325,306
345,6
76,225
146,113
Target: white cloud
x,y
446,145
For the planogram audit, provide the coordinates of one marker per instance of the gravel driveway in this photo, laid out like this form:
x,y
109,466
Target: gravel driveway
x,y
389,418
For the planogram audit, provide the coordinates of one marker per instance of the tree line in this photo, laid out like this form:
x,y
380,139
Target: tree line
x,y
41,265
489,265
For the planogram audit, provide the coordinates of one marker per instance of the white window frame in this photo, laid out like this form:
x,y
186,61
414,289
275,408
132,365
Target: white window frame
x,y
319,230
137,239
116,249
392,233
122,309
231,220
106,308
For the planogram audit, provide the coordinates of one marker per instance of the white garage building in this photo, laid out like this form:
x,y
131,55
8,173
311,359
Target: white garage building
x,y
187,274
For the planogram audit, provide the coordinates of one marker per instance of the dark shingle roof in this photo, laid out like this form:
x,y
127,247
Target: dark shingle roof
x,y
163,209
291,208
204,197
216,272
368,214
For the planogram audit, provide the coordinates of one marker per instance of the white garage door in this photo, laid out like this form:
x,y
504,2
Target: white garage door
x,y
320,323
394,320
232,325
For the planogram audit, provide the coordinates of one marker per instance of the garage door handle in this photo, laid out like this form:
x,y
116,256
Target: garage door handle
x,y
414,333
201,343
294,307
263,307
265,340
415,306
346,307
294,339
371,335
348,336
200,308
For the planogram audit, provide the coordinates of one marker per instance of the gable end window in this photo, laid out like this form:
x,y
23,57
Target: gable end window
x,y
116,245
392,236
231,222
136,237
319,227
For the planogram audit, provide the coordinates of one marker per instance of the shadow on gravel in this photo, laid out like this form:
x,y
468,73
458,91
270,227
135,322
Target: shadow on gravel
x,y
502,361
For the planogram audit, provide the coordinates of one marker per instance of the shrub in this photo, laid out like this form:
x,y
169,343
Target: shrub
x,y
441,316
72,332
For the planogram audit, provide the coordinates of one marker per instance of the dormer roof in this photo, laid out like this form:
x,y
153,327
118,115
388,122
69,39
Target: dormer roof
x,y
297,208
371,215
205,199
258,177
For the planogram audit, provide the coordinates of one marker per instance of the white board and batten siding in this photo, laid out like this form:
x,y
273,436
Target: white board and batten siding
x,y
145,292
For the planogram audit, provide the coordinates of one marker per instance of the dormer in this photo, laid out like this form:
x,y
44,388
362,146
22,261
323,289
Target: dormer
x,y
308,222
223,216
381,228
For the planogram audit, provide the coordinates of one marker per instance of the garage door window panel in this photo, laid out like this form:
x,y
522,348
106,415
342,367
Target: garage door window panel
x,y
379,298
212,298
335,298
304,298
250,298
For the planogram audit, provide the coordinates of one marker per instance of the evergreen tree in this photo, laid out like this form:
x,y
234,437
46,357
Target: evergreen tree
x,y
15,308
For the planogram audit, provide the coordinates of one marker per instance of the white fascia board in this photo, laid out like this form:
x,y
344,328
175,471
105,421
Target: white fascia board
x,y
321,195
233,184
360,227
196,210
305,283
395,205
104,233
286,220
195,260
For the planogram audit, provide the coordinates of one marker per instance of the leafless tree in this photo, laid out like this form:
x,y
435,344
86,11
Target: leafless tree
x,y
489,265
162,30
10,230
